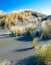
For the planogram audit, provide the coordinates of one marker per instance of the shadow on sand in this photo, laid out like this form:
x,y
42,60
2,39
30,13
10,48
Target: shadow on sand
x,y
29,37
6,36
24,38
24,49
31,60
45,39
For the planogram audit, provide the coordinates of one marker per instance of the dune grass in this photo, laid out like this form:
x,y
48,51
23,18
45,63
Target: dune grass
x,y
35,42
10,19
5,62
44,54
46,29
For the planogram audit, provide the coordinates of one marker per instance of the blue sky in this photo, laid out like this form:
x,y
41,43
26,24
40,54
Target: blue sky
x,y
43,6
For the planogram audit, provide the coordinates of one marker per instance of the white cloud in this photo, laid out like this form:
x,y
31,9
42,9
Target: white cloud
x,y
46,11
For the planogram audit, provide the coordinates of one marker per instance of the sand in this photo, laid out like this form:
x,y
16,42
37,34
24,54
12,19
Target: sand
x,y
15,48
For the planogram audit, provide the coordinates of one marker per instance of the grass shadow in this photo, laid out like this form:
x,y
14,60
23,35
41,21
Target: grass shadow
x,y
6,36
45,39
22,50
25,38
31,60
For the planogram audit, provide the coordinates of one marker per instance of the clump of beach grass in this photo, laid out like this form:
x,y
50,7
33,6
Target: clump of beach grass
x,y
44,54
18,30
35,42
5,62
46,29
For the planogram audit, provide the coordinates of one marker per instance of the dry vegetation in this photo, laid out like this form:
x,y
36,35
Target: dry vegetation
x,y
18,30
46,29
35,42
5,62
24,29
43,53
10,19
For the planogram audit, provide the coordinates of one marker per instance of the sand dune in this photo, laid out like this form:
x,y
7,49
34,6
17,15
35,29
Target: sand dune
x,y
18,29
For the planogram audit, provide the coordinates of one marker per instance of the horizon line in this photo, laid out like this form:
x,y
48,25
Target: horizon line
x,y
23,10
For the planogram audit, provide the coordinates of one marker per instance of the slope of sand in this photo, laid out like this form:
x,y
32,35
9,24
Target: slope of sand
x,y
13,48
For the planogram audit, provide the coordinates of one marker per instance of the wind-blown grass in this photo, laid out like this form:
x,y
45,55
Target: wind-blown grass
x,y
44,53
35,42
10,19
5,62
46,29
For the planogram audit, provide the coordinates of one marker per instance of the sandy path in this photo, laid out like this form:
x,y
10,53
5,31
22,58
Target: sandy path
x,y
13,49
